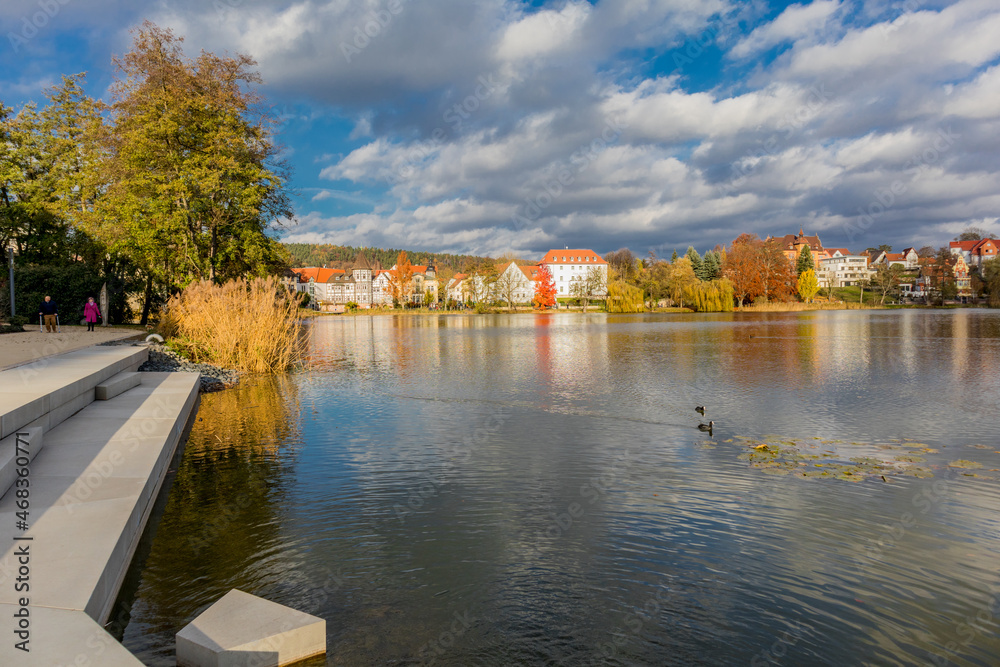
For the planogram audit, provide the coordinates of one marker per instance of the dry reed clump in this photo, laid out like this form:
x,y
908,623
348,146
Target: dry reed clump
x,y
249,326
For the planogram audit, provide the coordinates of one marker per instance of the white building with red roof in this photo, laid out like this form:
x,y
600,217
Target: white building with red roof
x,y
574,267
975,252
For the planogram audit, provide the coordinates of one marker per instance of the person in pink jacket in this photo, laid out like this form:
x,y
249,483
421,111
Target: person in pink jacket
x,y
90,313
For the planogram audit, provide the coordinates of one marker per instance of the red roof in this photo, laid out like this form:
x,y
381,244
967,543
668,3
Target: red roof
x,y
531,272
320,275
572,257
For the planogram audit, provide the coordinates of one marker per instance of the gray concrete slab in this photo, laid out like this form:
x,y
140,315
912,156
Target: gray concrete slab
x,y
116,385
29,392
63,637
91,493
242,629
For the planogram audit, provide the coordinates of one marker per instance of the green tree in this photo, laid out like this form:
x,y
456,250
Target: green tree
x,y
808,285
711,265
697,265
673,257
805,261
194,184
972,234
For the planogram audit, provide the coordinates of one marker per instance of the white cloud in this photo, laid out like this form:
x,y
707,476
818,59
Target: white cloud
x,y
797,22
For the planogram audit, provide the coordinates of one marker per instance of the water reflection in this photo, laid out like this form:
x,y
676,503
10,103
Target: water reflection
x,y
531,489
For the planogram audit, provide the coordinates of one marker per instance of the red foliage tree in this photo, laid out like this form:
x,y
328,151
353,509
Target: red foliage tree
x,y
545,288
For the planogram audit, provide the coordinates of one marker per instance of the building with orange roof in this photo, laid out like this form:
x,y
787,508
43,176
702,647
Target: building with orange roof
x,y
792,244
976,252
575,270
336,287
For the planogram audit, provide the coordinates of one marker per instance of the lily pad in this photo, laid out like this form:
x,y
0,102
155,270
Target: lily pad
x,y
962,463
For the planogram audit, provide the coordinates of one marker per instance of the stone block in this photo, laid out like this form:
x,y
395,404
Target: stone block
x,y
242,629
118,384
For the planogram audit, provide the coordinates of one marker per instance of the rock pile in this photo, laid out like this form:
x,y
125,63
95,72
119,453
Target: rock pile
x,y
163,359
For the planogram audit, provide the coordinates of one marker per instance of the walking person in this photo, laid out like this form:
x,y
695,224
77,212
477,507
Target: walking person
x,y
90,313
47,312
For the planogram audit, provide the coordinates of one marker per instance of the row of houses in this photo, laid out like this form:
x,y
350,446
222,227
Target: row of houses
x,y
922,276
573,272
364,283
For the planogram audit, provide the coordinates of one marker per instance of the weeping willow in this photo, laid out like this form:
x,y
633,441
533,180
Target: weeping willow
x,y
713,296
624,298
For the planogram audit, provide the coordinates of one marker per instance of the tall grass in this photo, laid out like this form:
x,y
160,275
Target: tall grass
x,y
249,326
792,306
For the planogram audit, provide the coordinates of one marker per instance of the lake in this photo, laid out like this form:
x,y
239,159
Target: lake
x,y
533,489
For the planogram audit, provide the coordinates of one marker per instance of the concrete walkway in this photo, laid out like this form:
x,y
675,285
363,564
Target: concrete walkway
x,y
91,487
21,348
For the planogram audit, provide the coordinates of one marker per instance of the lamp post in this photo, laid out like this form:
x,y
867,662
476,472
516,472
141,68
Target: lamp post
x,y
10,266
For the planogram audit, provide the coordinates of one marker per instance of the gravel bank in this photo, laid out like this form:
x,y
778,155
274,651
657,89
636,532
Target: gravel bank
x,y
162,359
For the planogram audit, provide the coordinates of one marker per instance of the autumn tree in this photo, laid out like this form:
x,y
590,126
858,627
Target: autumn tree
x,y
886,279
808,285
508,282
545,288
590,285
622,297
481,281
623,262
681,280
742,268
194,183
990,271
401,280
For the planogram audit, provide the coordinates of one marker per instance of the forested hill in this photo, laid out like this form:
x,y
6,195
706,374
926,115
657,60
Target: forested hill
x,y
341,257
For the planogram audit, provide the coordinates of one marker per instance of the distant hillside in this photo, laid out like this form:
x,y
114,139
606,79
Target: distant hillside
x,y
341,257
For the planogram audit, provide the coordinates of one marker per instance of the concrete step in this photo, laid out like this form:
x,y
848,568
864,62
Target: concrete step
x,y
81,641
119,384
22,445
45,392
92,489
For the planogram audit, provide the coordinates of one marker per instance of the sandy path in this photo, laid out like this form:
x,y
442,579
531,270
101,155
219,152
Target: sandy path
x,y
20,348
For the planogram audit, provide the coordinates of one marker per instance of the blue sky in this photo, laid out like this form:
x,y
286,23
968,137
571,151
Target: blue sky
x,y
489,126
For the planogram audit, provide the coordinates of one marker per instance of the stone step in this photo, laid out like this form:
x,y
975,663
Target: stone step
x,y
92,488
22,444
243,629
119,384
47,391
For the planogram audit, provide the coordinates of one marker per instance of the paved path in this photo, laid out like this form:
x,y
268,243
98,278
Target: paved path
x,y
21,348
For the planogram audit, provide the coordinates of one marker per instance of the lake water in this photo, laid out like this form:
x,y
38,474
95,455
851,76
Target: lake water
x,y
533,489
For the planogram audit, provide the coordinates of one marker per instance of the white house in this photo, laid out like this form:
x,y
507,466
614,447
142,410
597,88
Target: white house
x,y
908,259
573,266
843,270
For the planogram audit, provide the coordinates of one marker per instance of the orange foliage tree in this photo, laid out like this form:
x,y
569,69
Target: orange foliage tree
x,y
545,288
758,269
401,279
742,268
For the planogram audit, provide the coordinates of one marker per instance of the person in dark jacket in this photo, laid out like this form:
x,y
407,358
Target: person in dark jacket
x,y
47,312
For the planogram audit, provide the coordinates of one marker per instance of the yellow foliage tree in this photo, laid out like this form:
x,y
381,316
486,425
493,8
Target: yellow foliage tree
x,y
808,285
622,297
